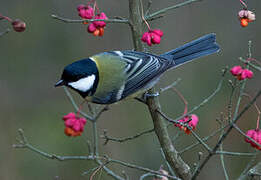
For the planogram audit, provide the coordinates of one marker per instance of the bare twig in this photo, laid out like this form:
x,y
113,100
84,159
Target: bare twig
x,y
225,134
249,138
181,168
110,172
140,168
95,139
91,118
206,100
95,172
75,105
102,110
204,139
169,86
169,168
235,153
23,143
250,64
162,11
67,20
90,171
222,157
120,140
146,175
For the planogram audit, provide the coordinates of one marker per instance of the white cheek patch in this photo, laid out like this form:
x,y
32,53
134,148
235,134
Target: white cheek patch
x,y
83,84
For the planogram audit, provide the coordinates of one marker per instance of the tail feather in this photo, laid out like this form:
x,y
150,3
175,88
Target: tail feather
x,y
202,46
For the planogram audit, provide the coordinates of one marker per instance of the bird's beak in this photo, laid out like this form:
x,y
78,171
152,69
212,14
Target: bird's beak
x,y
59,83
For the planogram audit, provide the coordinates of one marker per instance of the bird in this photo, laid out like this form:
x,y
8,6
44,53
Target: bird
x,y
109,77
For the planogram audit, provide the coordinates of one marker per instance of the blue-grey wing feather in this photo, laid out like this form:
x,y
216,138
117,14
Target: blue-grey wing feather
x,y
142,70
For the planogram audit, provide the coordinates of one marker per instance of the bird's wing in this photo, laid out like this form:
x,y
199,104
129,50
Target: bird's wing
x,y
141,70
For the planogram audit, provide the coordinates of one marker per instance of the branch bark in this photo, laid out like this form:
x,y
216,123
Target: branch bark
x,y
136,24
181,169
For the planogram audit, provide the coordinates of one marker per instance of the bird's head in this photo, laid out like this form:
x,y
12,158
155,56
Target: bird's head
x,y
82,76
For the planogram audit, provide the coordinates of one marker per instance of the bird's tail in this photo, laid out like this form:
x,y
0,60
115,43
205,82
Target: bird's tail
x,y
202,46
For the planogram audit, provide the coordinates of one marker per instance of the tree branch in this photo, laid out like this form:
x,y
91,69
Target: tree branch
x,y
66,20
120,140
162,11
177,164
225,134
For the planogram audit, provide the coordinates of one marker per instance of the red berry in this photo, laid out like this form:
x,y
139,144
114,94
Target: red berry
x,y
244,22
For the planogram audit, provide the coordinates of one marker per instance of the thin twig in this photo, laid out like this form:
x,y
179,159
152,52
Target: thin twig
x,y
169,86
249,138
75,105
250,64
204,139
90,171
140,168
206,100
102,110
225,134
169,8
23,143
67,20
95,139
110,172
146,175
222,158
169,168
235,153
120,140
187,126
95,172
199,139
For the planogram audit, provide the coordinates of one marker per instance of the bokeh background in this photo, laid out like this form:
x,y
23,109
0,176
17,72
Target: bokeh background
x,y
32,61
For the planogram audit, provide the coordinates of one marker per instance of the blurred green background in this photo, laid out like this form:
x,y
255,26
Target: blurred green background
x,y
32,61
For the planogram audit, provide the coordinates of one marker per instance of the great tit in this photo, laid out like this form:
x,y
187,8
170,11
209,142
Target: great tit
x,y
109,77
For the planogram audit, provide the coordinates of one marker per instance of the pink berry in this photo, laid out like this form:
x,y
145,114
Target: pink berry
x,y
70,115
81,6
236,70
194,121
246,74
82,13
89,13
77,126
100,23
91,28
243,14
152,37
146,37
155,38
158,32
